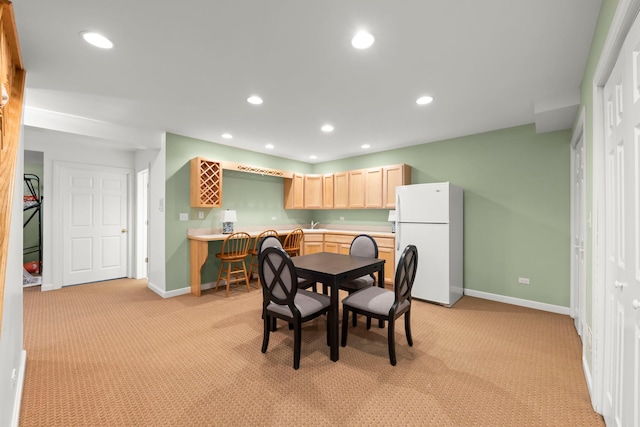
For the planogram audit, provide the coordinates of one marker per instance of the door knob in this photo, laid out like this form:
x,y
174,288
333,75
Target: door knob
x,y
619,284
635,304
124,230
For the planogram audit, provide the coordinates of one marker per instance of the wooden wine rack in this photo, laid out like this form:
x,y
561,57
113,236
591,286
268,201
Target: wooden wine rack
x,y
206,183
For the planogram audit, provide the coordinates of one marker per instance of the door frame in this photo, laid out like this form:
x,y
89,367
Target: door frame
x,y
142,224
578,290
58,221
625,14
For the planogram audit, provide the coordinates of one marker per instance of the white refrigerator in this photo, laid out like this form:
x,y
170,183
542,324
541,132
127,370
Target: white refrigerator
x,y
430,216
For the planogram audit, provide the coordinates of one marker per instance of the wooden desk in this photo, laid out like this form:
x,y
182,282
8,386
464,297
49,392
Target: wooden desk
x,y
199,252
331,270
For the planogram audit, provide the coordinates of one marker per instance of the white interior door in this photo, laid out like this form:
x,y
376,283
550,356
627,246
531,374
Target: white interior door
x,y
94,212
622,276
142,226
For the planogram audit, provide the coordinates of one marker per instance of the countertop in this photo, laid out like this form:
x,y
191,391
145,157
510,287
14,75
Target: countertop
x,y
214,234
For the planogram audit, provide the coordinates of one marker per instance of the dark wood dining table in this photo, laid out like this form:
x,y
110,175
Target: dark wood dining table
x,y
331,270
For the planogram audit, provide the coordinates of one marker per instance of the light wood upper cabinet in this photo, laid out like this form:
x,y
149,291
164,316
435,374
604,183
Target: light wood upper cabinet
x,y
294,192
373,188
206,183
327,191
393,176
313,191
356,189
341,190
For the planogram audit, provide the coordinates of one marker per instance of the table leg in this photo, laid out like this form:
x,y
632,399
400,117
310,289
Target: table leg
x,y
198,252
333,319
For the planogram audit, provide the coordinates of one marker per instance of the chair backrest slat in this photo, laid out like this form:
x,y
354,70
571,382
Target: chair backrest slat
x,y
236,244
406,273
278,277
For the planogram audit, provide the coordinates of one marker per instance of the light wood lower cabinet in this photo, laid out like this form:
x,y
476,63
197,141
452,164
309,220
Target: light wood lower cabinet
x,y
341,243
313,243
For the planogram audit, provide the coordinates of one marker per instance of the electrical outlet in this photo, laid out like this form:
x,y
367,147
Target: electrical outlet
x,y
184,217
273,218
524,280
200,215
341,218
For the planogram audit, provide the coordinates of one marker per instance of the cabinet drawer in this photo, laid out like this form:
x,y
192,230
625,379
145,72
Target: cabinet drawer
x,y
338,238
313,237
385,242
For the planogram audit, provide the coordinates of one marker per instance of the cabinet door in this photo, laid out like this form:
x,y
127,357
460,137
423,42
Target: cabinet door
x,y
341,190
356,189
388,255
331,247
313,191
327,191
373,188
206,183
294,192
393,176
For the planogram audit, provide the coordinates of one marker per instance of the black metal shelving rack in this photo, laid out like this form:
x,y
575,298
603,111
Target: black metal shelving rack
x,y
33,203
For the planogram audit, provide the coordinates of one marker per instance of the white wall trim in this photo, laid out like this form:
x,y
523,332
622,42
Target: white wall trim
x,y
520,302
587,377
181,291
17,402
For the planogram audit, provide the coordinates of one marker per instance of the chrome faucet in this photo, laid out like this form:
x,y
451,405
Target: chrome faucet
x,y
313,224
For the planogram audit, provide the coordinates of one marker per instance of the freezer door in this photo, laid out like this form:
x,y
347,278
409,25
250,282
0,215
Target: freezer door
x,y
432,280
423,203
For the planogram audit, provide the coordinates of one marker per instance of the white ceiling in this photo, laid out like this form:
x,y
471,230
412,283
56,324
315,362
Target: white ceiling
x,y
187,68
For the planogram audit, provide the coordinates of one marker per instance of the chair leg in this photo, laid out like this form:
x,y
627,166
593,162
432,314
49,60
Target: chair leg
x,y
345,325
228,277
407,327
246,275
220,272
297,344
265,336
392,343
368,323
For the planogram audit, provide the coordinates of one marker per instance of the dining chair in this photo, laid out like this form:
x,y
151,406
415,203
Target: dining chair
x,y
253,252
274,242
235,249
281,298
365,246
384,304
293,241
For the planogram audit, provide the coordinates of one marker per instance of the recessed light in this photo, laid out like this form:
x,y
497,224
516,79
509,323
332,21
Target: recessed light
x,y
365,146
255,100
313,157
327,128
226,136
269,146
362,40
424,100
97,40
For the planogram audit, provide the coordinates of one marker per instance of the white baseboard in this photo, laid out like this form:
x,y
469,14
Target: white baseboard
x,y
177,292
17,401
517,301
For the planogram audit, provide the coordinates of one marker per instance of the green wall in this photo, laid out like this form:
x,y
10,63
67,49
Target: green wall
x,y
516,204
516,200
256,199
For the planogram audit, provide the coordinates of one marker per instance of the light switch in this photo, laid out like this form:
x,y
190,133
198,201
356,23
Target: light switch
x,y
200,215
184,217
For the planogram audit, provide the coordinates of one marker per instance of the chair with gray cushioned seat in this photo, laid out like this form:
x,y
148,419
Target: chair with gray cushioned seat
x,y
383,304
283,300
365,246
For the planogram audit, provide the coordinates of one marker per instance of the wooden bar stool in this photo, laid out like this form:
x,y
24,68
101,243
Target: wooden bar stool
x,y
253,265
235,249
293,241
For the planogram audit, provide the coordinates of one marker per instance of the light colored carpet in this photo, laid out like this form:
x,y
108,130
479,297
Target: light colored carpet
x,y
116,354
